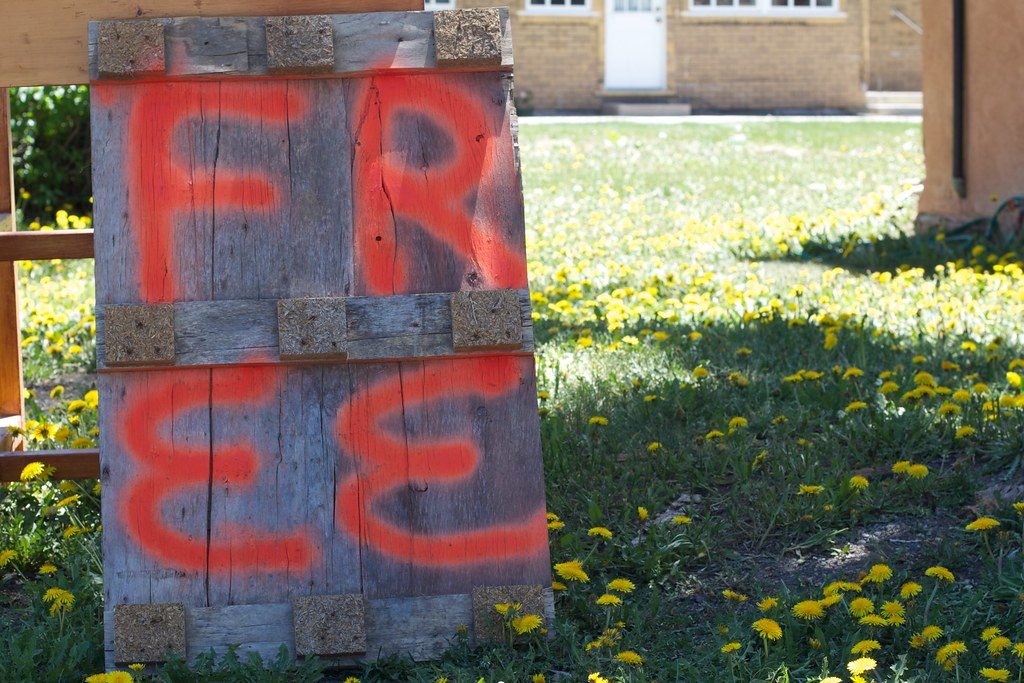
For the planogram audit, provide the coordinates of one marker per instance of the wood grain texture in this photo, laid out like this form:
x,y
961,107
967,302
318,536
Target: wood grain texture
x,y
376,42
258,482
68,464
217,333
11,403
47,39
42,245
421,627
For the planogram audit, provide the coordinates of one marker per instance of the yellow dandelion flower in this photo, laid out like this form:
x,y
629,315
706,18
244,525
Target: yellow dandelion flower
x,y
858,482
654,447
738,423
1018,651
33,470
609,599
558,586
917,471
572,571
629,657
949,409
621,586
901,467
991,632
700,372
891,608
601,531
860,607
982,524
680,520
768,629
878,573
874,620
860,666
598,420
997,645
931,633
526,623
810,490
538,678
889,387
7,556
865,647
964,432
990,674
1019,507
854,406
734,596
1014,380
48,568
767,604
730,647
948,653
642,513
809,610
910,589
59,599
961,396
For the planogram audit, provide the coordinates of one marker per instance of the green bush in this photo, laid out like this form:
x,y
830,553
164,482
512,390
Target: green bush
x,y
50,135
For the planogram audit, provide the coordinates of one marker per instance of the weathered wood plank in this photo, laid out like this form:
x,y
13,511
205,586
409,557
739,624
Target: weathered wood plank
x,y
68,464
377,42
43,245
420,626
11,402
212,333
156,457
47,38
438,202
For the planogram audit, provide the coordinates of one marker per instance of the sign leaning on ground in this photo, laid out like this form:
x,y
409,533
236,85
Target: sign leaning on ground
x,y
318,404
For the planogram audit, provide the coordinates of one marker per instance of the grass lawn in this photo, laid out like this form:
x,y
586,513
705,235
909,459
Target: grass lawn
x,y
796,430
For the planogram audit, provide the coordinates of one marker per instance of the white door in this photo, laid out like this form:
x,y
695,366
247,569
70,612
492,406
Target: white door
x,y
634,45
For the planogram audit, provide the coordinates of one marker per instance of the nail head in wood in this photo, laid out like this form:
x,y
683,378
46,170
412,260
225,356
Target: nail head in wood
x,y
488,623
467,37
312,328
485,320
132,47
149,633
329,625
139,334
298,45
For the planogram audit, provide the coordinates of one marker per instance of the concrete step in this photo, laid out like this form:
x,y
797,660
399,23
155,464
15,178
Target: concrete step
x,y
891,102
646,108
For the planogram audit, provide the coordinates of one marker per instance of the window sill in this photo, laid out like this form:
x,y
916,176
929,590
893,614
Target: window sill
x,y
698,17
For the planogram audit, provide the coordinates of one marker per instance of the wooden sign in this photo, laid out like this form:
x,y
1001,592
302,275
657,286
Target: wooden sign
x,y
318,403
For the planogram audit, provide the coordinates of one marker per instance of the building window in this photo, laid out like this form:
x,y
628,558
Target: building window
x,y
557,6
765,7
438,4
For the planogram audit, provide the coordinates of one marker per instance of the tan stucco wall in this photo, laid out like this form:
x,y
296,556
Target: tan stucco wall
x,y
895,54
994,107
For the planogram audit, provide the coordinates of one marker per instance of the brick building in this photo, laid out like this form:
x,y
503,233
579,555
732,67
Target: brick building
x,y
712,54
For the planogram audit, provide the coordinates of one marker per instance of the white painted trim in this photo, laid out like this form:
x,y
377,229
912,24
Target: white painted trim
x,y
571,10
764,8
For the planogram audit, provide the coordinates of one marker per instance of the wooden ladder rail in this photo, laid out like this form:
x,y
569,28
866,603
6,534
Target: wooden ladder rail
x,y
27,246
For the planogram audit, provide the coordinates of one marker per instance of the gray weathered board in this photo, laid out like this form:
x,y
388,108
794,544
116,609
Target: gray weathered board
x,y
239,482
212,333
217,47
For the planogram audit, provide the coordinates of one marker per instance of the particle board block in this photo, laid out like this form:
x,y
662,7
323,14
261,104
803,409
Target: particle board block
x,y
312,328
300,44
468,37
130,48
329,625
148,632
140,334
486,320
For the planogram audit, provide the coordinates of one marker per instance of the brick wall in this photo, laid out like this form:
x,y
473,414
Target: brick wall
x,y
558,57
770,64
724,63
895,59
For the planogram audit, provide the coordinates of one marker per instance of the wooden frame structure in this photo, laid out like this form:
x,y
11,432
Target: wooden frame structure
x,y
50,48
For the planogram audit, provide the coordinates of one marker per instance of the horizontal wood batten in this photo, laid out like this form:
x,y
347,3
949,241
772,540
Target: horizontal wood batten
x,y
69,464
45,37
386,328
377,42
43,245
421,627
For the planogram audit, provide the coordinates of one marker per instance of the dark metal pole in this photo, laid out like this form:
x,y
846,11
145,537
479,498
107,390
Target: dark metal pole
x,y
959,53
